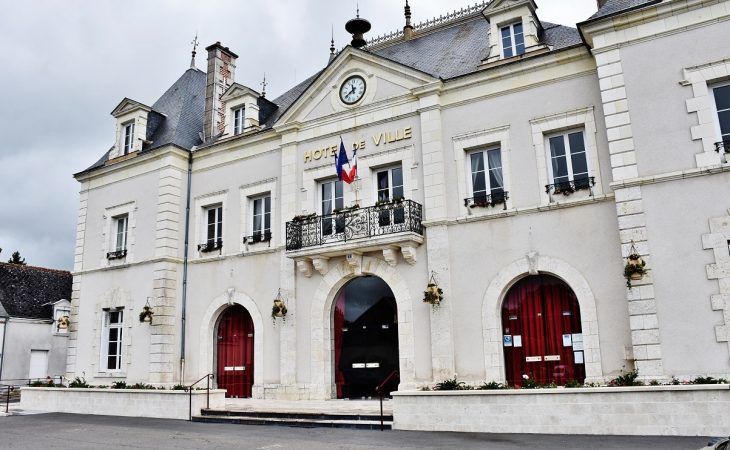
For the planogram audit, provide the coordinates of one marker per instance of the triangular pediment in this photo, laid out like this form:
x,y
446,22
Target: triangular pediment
x,y
384,79
501,5
128,105
237,90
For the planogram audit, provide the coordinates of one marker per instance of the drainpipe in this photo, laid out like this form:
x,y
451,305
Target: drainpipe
x,y
185,269
5,334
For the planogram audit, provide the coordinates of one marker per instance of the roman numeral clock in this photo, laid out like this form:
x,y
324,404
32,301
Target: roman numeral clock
x,y
352,90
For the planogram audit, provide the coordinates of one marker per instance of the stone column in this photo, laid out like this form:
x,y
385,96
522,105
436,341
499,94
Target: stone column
x,y
162,340
630,208
442,346
73,327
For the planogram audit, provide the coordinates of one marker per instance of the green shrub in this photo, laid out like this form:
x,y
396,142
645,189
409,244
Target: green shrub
x,y
179,387
78,382
708,380
492,386
139,386
627,379
573,384
119,385
452,385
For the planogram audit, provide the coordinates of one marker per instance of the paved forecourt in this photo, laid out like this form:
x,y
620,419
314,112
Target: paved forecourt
x,y
55,430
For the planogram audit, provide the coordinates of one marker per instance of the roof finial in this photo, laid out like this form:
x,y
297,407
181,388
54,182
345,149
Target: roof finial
x,y
408,29
264,84
358,10
195,46
332,44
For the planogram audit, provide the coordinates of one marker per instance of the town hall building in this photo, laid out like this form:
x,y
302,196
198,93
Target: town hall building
x,y
513,178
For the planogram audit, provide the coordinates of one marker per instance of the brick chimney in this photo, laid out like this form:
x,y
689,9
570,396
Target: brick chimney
x,y
221,74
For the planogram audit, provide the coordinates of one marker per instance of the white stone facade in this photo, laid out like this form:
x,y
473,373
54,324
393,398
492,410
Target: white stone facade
x,y
657,182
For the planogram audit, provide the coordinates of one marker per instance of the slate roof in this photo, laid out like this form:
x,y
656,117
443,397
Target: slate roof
x,y
613,7
25,291
460,49
177,117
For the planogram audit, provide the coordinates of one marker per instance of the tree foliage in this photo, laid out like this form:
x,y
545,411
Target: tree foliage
x,y
16,259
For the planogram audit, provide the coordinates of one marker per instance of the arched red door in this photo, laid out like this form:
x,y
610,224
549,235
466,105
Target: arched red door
x,y
235,352
542,334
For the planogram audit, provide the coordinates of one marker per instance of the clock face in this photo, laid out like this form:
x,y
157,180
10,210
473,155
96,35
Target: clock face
x,y
352,90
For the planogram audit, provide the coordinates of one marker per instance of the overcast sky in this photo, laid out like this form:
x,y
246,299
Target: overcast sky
x,y
65,65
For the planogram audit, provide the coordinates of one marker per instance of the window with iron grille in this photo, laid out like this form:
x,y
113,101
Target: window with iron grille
x,y
486,174
215,225
261,218
567,156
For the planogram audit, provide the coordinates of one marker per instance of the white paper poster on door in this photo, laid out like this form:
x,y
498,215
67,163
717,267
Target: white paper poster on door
x,y
578,357
577,342
517,340
567,340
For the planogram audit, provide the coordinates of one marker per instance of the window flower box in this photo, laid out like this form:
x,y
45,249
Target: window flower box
x,y
119,254
210,246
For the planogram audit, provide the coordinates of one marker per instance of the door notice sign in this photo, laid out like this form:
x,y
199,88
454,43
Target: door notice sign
x,y
508,340
517,340
567,340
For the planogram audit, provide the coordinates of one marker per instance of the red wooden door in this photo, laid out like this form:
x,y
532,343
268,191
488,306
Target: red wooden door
x,y
235,352
542,334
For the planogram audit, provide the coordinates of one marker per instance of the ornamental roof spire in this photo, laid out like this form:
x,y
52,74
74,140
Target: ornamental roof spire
x,y
332,45
195,46
408,29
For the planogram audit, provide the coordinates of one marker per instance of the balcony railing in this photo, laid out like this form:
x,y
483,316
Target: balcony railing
x,y
488,200
119,254
569,187
257,237
722,147
210,246
352,224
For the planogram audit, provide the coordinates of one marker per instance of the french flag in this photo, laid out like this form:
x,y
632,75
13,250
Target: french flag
x,y
341,160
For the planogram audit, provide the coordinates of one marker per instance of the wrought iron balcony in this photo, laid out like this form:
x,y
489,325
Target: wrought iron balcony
x,y
210,246
569,187
722,147
119,254
484,201
352,224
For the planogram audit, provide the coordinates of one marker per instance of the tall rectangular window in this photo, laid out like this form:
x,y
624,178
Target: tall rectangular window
x,y
513,40
568,159
389,184
238,116
722,106
128,138
332,198
487,179
112,333
215,226
121,233
261,219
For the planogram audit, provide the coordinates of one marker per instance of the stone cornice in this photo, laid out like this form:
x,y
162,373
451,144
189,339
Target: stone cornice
x,y
126,265
671,176
145,158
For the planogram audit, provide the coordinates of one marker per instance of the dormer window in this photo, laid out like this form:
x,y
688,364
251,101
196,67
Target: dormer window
x,y
513,40
128,138
238,118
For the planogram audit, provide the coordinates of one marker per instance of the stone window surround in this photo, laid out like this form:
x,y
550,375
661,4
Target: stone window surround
x,y
208,331
109,234
113,299
701,78
202,203
534,264
322,322
60,309
581,118
248,193
475,140
367,165
718,240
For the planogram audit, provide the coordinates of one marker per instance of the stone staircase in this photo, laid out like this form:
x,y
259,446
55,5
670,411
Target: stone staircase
x,y
302,420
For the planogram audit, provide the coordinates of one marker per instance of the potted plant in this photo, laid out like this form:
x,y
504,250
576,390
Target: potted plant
x,y
146,314
279,309
63,323
433,294
634,269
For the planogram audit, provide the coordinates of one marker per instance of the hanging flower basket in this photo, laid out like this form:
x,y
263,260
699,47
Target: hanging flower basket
x,y
63,323
146,314
634,269
433,294
279,309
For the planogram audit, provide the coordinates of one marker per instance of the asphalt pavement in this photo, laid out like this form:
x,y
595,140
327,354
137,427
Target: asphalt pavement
x,y
72,431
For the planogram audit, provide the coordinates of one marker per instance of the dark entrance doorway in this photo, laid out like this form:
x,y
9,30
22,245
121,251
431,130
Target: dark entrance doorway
x,y
542,333
366,338
235,352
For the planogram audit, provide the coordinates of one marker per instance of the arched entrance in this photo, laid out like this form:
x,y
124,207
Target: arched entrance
x,y
366,337
235,352
542,332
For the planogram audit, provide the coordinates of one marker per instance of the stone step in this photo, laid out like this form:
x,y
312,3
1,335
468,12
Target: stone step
x,y
351,416
342,421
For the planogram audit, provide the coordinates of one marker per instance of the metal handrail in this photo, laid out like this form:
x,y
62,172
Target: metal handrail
x,y
384,218
568,187
488,199
7,396
190,395
29,381
379,389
